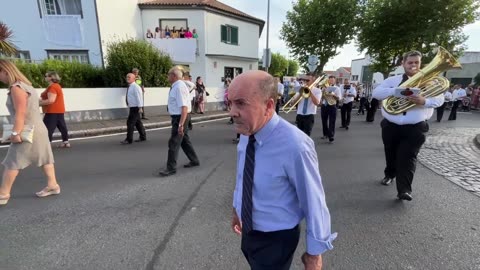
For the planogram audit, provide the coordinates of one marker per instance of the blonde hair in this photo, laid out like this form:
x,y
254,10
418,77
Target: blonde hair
x,y
178,71
54,76
13,74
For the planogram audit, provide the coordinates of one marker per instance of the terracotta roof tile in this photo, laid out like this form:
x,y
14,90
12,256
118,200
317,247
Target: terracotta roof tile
x,y
206,3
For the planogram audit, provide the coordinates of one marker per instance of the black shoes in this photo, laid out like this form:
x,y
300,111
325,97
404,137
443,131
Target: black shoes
x,y
140,140
125,142
191,164
330,140
166,173
405,196
386,181
346,127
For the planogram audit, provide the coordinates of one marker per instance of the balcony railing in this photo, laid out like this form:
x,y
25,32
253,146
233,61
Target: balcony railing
x,y
181,50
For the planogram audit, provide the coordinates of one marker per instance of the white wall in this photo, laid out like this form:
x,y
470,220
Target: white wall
x,y
86,99
23,17
470,57
118,20
248,37
214,75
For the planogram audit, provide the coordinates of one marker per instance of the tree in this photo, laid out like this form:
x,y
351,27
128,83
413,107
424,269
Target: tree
x,y
292,68
278,66
477,79
319,27
388,28
6,46
122,56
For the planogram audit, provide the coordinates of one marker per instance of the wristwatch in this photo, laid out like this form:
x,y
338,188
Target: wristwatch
x,y
181,125
14,133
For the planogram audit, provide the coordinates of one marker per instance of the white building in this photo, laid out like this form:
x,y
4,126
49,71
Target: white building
x,y
361,73
79,30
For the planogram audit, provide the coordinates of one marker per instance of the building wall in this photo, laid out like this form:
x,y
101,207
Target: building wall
x,y
118,20
470,57
469,70
248,35
215,74
23,17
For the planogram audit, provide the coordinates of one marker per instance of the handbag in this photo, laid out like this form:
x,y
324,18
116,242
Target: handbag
x,y
26,134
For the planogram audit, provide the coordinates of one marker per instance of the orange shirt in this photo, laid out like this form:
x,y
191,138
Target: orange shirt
x,y
59,105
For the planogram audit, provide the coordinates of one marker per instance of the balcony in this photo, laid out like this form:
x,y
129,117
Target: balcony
x,y
180,50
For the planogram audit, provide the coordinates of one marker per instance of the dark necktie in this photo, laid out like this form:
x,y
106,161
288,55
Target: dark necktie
x,y
247,198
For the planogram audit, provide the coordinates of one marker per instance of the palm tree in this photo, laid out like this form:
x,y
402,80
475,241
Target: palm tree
x,y
6,46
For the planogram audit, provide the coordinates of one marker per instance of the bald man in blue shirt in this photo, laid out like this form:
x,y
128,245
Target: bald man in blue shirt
x,y
278,181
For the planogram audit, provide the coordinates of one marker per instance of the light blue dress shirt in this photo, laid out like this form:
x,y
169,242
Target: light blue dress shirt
x,y
287,186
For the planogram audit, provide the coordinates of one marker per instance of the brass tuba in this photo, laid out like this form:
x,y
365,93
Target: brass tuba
x,y
306,91
427,79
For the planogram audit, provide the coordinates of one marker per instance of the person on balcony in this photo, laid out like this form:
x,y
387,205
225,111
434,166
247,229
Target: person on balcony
x,y
188,34
174,33
195,35
167,32
149,33
181,33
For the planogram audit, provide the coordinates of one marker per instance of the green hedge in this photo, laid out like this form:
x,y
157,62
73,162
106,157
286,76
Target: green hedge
x,y
124,55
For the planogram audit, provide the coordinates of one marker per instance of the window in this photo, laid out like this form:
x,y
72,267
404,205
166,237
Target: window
x,y
229,34
61,7
69,56
354,77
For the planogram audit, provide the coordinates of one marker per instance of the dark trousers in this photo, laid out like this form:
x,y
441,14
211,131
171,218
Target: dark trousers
x,y
362,106
440,111
134,121
305,123
176,141
346,112
453,112
402,144
277,106
329,116
143,108
372,109
270,250
53,121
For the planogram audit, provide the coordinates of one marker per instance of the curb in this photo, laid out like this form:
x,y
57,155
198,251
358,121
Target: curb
x,y
121,129
476,141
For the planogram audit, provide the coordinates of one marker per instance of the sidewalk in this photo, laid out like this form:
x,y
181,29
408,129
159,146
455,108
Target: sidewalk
x,y
94,128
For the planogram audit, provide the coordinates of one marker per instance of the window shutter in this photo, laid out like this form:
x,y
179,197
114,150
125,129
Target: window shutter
x,y
234,35
223,33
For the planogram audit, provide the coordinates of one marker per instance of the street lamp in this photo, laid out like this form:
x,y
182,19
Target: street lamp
x,y
268,32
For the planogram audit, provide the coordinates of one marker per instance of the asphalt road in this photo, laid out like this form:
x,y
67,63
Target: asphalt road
x,y
114,214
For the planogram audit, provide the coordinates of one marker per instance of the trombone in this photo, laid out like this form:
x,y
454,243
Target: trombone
x,y
306,91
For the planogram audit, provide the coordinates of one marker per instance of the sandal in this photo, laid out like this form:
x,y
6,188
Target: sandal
x,y
64,145
47,191
4,199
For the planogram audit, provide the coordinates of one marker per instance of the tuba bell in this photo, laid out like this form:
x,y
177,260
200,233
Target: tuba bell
x,y
306,91
427,79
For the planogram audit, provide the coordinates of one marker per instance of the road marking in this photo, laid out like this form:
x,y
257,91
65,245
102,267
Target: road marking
x,y
123,133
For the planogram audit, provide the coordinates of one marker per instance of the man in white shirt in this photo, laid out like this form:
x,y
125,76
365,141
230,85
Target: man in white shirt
x,y
135,104
307,107
457,96
280,89
404,134
441,109
349,93
329,112
178,106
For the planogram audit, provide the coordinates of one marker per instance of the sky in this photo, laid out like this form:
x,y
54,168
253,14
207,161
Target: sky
x,y
278,12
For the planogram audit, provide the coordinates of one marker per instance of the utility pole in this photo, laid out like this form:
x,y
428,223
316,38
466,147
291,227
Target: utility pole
x,y
268,33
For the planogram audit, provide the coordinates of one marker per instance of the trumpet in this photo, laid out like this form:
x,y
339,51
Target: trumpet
x,y
306,91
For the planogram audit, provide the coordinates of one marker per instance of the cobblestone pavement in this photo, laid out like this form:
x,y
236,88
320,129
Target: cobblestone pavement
x,y
451,153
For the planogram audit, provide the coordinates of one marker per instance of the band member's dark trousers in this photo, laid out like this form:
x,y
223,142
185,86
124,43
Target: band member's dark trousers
x,y
453,112
176,141
372,109
53,121
277,106
270,250
362,106
346,112
305,123
134,121
402,144
440,111
329,116
143,108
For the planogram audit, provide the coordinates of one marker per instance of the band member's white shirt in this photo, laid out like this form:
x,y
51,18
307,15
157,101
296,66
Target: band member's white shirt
x,y
414,115
337,92
311,108
351,91
459,94
280,89
448,96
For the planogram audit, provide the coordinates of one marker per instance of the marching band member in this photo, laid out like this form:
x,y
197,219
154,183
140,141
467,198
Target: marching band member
x,y
458,94
349,93
329,112
441,109
404,134
280,89
307,108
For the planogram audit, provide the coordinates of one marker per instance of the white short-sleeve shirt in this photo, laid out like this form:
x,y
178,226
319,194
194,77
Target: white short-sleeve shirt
x,y
178,97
